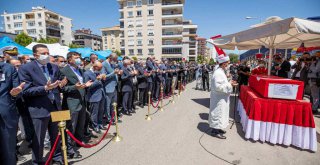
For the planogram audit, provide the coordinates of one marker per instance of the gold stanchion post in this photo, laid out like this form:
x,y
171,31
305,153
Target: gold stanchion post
x,y
117,138
179,83
149,99
62,117
172,93
161,90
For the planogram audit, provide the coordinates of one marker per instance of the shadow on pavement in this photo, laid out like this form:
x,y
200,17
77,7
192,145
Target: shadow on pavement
x,y
204,127
204,116
203,101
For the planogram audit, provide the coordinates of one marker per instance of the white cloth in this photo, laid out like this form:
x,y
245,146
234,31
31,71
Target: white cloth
x,y
219,100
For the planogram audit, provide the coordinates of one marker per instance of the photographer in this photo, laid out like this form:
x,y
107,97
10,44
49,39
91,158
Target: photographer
x,y
301,69
313,77
281,67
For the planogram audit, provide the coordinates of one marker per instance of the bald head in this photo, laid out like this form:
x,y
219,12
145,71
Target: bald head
x,y
15,63
97,66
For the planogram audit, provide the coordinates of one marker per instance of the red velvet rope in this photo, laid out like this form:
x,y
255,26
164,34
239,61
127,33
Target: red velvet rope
x,y
90,145
155,106
52,150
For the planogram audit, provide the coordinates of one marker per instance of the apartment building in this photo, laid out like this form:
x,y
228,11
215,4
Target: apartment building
x,y
111,38
153,28
202,45
85,38
39,23
189,41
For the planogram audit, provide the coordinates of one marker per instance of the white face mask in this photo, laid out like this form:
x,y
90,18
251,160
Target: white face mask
x,y
62,64
44,59
28,60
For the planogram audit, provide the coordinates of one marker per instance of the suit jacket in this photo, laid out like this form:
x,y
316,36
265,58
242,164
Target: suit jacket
x,y
142,79
150,68
126,80
36,97
73,99
112,79
8,111
285,68
95,92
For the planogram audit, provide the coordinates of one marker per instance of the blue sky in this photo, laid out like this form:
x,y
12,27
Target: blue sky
x,y
212,16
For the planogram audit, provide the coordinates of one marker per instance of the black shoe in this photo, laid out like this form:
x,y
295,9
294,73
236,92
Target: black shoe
x,y
141,106
76,155
54,162
221,131
215,133
127,113
102,127
132,111
97,130
315,112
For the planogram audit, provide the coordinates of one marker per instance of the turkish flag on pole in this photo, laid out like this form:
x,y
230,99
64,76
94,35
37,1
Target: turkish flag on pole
x,y
218,50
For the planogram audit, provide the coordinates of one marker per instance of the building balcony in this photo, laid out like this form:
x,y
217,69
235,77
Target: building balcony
x,y
172,25
53,27
171,45
172,15
171,35
170,5
56,20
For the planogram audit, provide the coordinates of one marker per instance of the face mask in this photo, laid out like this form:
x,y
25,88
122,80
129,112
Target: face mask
x,y
97,71
44,59
28,60
261,65
62,64
78,62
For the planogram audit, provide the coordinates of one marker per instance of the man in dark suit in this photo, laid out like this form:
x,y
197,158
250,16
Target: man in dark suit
x,y
158,80
142,83
42,95
96,94
151,70
127,85
74,99
282,68
205,76
9,89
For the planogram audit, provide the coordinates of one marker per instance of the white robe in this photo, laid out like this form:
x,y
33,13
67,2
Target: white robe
x,y
219,100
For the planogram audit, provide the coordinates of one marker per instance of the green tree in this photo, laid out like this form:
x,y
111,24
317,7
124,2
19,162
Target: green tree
x,y
200,59
134,58
117,52
234,58
74,46
48,40
23,39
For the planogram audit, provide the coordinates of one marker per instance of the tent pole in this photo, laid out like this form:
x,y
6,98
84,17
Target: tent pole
x,y
286,54
269,63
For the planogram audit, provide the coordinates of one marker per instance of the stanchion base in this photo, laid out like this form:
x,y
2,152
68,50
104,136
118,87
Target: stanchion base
x,y
117,138
161,109
148,118
173,102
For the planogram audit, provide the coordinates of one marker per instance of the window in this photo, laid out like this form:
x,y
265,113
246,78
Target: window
x,y
8,18
62,27
150,12
130,33
31,31
139,51
150,22
150,32
139,13
41,31
32,23
130,4
39,23
139,42
61,19
39,15
139,3
130,14
18,16
139,23
150,2
18,31
62,34
130,23
139,33
150,42
9,26
131,42
17,24
131,52
151,51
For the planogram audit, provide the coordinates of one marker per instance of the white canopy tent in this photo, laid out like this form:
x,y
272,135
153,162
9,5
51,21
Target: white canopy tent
x,y
54,49
280,34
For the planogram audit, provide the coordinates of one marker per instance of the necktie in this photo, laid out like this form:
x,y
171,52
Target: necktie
x,y
50,95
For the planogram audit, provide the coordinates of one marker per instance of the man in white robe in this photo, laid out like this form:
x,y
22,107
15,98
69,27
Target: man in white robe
x,y
221,89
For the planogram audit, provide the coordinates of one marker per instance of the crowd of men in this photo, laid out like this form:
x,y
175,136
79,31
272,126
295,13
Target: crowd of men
x,y
31,89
